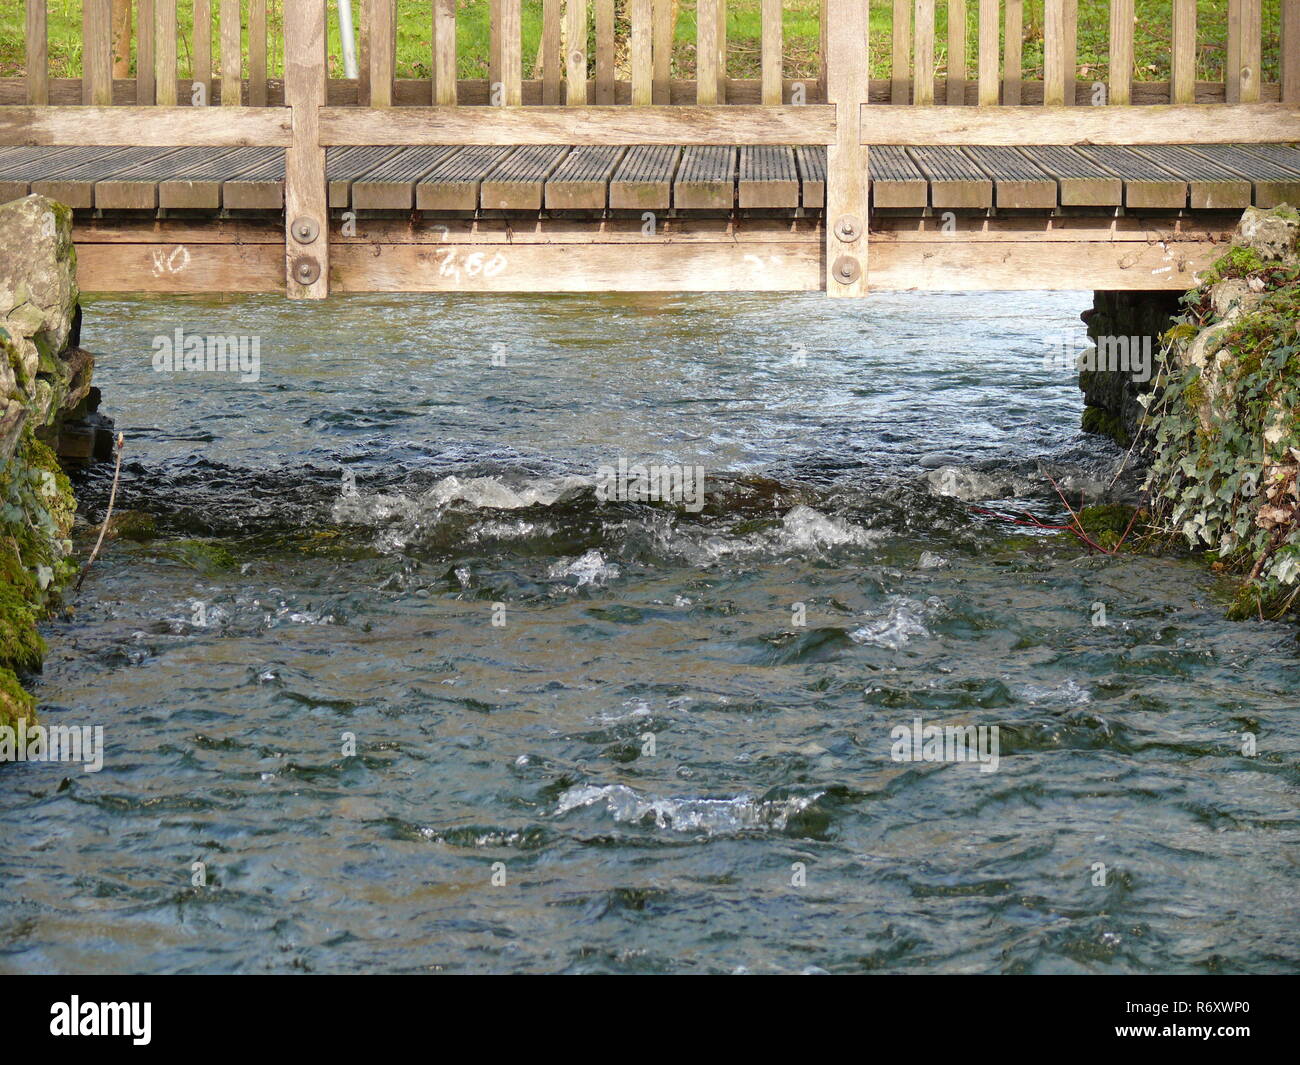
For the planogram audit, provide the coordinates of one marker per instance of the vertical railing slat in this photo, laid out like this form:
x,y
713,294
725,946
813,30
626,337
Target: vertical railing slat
x,y
444,53
232,55
605,93
512,53
1071,48
662,47
923,52
257,94
494,45
381,53
164,51
848,88
722,51
1291,51
97,52
900,71
642,13
706,52
1121,51
955,93
1013,50
551,51
1054,53
202,67
38,66
1251,49
988,53
1232,61
575,85
144,71
773,44
1182,88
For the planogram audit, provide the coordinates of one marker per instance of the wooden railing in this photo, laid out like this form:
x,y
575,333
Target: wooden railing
x,y
962,52
581,96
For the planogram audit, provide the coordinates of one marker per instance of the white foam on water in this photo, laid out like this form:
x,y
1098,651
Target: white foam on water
x,y
711,816
902,620
590,568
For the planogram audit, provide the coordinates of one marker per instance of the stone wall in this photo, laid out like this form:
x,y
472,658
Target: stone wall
x,y
45,380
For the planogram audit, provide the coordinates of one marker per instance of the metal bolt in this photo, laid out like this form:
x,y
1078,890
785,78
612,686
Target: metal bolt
x,y
305,230
306,270
848,228
846,269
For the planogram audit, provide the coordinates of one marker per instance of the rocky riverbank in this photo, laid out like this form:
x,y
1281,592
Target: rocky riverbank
x,y
45,390
1218,424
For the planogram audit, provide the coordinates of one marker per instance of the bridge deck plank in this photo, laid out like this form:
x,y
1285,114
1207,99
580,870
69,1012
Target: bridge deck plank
x,y
581,182
389,185
1018,183
1080,181
453,184
1146,185
812,176
768,179
1274,182
72,181
896,182
644,179
706,178
518,181
345,165
956,181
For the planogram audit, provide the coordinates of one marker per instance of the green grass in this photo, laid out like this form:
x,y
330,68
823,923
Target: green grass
x,y
800,25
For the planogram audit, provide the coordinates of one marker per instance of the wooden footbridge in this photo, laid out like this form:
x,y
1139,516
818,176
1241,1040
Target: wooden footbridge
x,y
608,170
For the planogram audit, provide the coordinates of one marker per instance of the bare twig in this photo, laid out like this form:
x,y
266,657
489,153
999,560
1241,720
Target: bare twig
x,y
103,529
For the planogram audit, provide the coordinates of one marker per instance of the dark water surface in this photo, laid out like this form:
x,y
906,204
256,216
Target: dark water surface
x,y
286,604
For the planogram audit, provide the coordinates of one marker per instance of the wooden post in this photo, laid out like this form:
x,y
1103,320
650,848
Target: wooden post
x,y
901,62
847,86
664,26
706,52
144,57
722,51
1121,52
1182,87
923,53
232,55
203,48
773,45
1071,51
122,38
1054,53
604,52
164,51
955,95
38,68
97,52
444,53
575,22
1232,62
989,53
642,52
1013,50
305,211
1291,51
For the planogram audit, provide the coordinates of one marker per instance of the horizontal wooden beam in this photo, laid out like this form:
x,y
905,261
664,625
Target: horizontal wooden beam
x,y
1165,124
809,124
771,266
147,126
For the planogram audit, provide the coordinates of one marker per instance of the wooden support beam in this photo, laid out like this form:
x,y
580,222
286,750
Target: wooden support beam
x,y
38,65
1184,124
232,55
97,52
575,85
676,124
306,210
847,90
444,53
164,52
1183,83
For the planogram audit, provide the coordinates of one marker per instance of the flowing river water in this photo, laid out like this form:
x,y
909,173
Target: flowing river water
x,y
418,700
